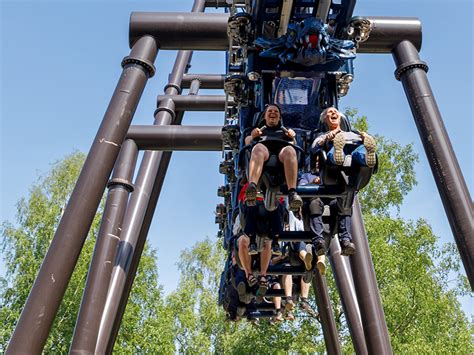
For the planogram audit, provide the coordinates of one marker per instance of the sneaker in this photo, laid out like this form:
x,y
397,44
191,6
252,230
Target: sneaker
x,y
253,249
308,258
244,296
276,249
369,144
251,194
339,142
321,264
294,201
320,246
347,247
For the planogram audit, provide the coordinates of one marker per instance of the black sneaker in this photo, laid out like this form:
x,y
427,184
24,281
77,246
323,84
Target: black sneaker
x,y
320,246
347,247
276,249
251,194
253,249
294,201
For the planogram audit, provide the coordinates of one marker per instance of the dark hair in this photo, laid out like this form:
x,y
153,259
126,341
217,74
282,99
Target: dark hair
x,y
268,105
261,119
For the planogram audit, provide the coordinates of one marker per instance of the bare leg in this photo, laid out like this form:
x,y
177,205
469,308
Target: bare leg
x,y
277,300
244,256
290,163
288,285
258,157
265,256
304,289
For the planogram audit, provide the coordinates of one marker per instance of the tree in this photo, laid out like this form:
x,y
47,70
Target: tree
x,y
420,304
24,245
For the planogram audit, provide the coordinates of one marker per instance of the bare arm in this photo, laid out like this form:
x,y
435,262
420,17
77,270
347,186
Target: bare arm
x,y
256,132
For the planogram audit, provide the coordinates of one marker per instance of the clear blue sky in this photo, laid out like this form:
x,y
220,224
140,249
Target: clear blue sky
x,y
60,62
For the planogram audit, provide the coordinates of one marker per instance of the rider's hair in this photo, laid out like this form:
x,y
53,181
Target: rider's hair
x,y
271,104
322,116
261,116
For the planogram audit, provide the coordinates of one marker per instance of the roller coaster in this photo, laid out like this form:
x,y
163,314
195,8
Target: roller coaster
x,y
297,54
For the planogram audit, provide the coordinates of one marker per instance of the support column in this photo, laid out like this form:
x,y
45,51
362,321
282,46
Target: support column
x,y
457,202
331,337
48,290
340,267
138,206
365,282
100,270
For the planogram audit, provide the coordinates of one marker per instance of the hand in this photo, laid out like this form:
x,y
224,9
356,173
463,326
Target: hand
x,y
330,136
290,133
256,132
317,180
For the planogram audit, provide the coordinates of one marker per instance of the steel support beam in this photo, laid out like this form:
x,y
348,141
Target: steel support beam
x,y
387,32
174,137
196,102
457,202
100,270
179,30
137,218
223,3
328,323
368,297
207,81
342,275
48,290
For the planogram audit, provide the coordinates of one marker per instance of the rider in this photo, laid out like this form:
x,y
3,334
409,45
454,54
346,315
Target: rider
x,y
333,142
315,209
273,138
259,220
242,243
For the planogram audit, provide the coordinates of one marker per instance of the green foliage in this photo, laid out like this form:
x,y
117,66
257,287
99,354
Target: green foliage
x,y
24,246
396,171
421,309
418,279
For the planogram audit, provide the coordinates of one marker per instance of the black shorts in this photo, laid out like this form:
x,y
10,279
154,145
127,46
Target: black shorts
x,y
259,221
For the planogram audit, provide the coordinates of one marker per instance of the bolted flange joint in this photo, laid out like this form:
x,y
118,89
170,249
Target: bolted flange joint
x,y
415,64
122,182
146,64
166,109
172,85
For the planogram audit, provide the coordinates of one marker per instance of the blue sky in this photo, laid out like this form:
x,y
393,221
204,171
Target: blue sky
x,y
60,62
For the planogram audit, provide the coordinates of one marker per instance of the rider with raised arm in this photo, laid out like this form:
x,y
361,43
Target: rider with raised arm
x,y
273,138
